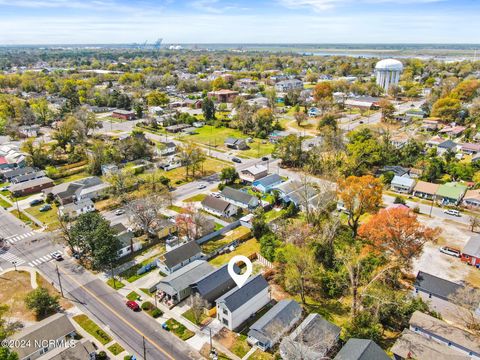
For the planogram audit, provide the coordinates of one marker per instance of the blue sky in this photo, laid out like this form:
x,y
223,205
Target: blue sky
x,y
235,21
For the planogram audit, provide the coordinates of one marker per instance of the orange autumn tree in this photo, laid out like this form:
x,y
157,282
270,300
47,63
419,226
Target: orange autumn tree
x,y
398,231
359,195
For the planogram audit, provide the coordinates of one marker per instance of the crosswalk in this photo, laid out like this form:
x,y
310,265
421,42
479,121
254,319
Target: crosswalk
x,y
14,238
11,258
42,260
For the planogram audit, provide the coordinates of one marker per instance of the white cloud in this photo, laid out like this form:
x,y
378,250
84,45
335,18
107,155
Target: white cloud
x,y
320,5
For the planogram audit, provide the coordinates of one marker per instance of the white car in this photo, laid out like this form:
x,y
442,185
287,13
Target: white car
x,y
119,212
56,255
452,212
450,251
202,186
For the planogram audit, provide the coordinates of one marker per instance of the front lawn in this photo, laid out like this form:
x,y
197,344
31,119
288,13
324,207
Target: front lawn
x,y
118,284
240,347
5,204
213,136
179,330
247,248
189,316
49,218
24,218
92,328
196,198
131,274
116,349
133,296
261,355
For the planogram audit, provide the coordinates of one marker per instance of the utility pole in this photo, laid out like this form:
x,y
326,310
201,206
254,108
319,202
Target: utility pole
x,y
14,263
59,280
144,349
113,277
431,207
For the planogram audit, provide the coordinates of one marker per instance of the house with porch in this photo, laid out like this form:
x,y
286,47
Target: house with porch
x,y
267,183
425,190
450,193
471,251
237,144
179,257
402,184
253,173
219,207
239,198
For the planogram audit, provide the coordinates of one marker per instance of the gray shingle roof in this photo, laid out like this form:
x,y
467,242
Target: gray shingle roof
x,y
181,279
215,203
215,284
181,253
18,171
239,296
236,195
276,320
268,180
436,286
361,349
472,247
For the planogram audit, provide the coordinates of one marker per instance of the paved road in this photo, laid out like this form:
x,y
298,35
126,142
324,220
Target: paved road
x,y
105,306
10,225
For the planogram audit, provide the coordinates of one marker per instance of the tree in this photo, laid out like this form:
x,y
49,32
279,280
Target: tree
x,y
145,212
156,98
467,299
299,269
364,326
208,109
289,149
263,120
7,354
197,307
447,109
40,301
42,111
192,157
300,117
193,224
474,221
398,231
259,223
228,175
359,195
268,246
387,109
7,327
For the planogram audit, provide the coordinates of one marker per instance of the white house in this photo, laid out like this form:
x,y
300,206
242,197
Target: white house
x,y
239,304
179,257
253,173
77,208
239,198
219,207
402,184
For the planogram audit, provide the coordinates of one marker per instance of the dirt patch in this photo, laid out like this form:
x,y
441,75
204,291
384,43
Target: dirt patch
x,y
14,286
277,293
226,337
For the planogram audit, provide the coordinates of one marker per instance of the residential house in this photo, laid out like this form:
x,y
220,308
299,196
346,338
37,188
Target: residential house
x,y
10,174
437,292
276,135
450,193
399,141
166,148
214,284
28,177
219,207
179,257
471,251
315,338
301,195
253,173
425,190
429,125
31,187
223,95
176,128
74,209
237,305
434,142
395,169
110,169
446,146
277,321
239,198
362,102
453,131
128,244
123,114
11,157
414,346
415,173
87,188
289,85
470,148
313,112
402,184
176,287
267,183
246,84
51,335
361,349
455,338
237,144
472,199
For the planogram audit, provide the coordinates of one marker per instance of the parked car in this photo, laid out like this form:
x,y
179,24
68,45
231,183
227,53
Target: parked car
x,y
45,207
236,160
35,202
133,305
119,212
450,251
56,255
202,186
5,188
452,212
265,158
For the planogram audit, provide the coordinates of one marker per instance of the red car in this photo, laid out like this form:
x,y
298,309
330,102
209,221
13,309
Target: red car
x,y
133,305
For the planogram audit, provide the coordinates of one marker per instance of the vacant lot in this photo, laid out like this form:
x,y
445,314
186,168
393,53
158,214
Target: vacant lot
x,y
239,233
48,218
247,248
14,286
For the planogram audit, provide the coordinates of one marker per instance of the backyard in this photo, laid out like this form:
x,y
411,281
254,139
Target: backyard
x,y
240,233
247,248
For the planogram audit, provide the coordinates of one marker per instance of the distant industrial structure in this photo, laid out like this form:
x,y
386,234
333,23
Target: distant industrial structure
x,y
388,73
153,46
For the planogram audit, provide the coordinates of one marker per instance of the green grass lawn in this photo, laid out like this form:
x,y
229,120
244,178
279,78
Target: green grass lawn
x,y
118,284
189,316
176,208
258,149
116,349
24,218
240,347
48,218
261,355
132,296
72,177
4,203
247,248
179,330
131,274
239,233
92,328
213,136
273,214
196,198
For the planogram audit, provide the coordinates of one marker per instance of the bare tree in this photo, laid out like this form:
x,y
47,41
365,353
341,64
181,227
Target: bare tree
x,y
144,212
193,224
467,300
197,306
474,222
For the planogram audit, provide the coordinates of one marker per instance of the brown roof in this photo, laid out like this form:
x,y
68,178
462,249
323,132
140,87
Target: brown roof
x,y
472,194
426,187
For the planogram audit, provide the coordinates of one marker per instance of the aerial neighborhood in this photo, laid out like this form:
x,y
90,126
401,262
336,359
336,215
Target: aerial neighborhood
x,y
131,177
